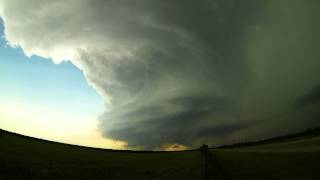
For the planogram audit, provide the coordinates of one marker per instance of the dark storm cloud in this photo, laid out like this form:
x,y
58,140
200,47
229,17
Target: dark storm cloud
x,y
222,130
185,72
309,99
212,79
180,126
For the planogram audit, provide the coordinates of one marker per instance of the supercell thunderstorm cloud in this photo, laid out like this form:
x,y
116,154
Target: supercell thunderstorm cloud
x,y
183,72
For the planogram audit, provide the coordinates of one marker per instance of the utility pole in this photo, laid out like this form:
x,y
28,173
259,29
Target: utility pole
x,y
204,149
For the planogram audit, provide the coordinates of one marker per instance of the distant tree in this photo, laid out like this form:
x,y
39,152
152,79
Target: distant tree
x,y
204,147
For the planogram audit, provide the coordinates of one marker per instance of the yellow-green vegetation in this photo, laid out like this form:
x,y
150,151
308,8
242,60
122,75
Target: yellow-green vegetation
x,y
26,158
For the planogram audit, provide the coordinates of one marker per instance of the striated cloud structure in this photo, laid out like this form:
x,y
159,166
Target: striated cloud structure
x,y
182,72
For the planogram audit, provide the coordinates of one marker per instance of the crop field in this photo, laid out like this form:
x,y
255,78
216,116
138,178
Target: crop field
x,y
28,158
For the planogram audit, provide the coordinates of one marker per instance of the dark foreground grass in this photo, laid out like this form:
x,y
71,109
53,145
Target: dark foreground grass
x,y
26,158
287,159
23,158
264,165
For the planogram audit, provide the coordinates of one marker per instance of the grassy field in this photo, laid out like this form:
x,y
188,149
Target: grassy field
x,y
26,158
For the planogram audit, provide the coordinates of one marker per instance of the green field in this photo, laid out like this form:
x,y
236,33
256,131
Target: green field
x,y
28,158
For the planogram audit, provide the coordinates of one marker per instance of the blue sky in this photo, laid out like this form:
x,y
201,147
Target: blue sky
x,y
39,80
37,96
